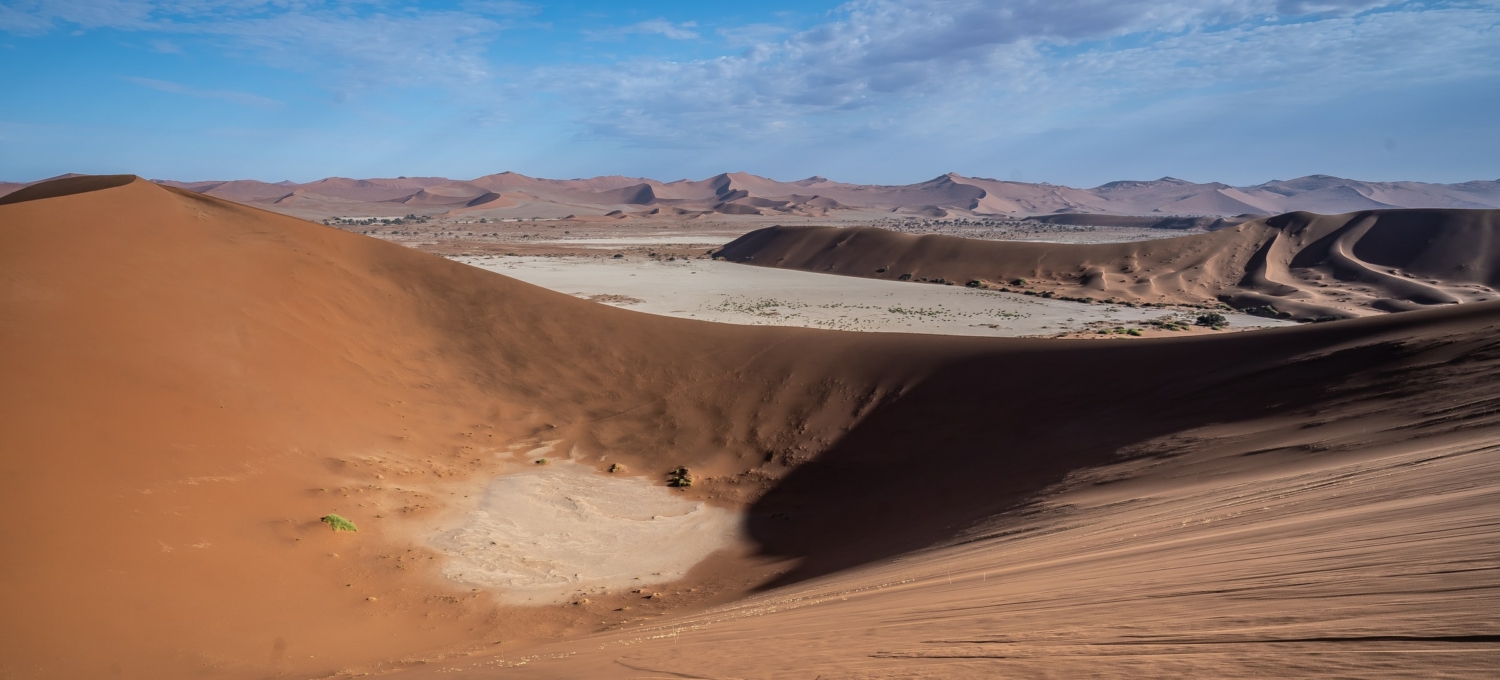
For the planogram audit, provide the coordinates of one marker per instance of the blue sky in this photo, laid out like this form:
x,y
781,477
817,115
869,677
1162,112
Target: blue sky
x,y
1074,92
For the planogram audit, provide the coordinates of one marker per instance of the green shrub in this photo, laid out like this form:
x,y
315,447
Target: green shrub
x,y
338,523
1212,319
679,478
1133,331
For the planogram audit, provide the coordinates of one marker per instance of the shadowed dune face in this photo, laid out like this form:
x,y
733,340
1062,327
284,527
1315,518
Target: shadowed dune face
x,y
1298,265
66,187
977,441
192,383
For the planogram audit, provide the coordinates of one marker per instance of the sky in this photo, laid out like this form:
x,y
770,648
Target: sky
x,y
1074,92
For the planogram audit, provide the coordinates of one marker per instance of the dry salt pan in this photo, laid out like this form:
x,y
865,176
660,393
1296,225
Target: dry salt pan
x,y
542,535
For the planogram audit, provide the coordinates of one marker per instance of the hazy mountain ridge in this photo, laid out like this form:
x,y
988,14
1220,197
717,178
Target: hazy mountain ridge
x,y
513,195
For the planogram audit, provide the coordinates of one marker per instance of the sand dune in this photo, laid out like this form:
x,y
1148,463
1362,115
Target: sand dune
x,y
192,383
1301,265
946,196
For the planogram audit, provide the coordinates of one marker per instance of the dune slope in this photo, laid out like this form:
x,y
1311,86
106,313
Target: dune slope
x,y
192,383
1300,265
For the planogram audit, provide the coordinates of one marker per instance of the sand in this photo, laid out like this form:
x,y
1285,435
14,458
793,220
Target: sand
x,y
1299,266
192,383
725,292
1165,203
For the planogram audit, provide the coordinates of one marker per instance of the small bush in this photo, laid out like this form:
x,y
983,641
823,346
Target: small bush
x,y
1018,282
1212,319
542,461
882,270
679,478
338,523
1133,331
976,283
904,277
616,468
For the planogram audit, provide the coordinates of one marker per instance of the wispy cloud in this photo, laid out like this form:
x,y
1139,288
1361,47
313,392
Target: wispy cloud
x,y
751,34
352,43
661,27
879,64
240,98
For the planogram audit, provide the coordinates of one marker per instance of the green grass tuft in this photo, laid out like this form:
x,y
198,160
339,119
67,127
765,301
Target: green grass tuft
x,y
338,523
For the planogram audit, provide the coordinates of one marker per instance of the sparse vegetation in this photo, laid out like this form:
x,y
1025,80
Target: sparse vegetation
x,y
616,467
679,478
1212,319
338,523
542,461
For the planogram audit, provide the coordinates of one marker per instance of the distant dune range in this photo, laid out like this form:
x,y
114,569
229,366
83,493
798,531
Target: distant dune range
x,y
1155,203
191,383
1301,265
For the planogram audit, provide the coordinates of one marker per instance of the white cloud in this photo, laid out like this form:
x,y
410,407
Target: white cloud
x,y
1025,65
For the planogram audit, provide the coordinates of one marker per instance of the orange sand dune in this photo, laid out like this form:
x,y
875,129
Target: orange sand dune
x,y
192,383
1302,265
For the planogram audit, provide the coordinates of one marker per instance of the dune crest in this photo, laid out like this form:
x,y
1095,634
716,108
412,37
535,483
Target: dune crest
x,y
192,383
66,187
948,196
1298,265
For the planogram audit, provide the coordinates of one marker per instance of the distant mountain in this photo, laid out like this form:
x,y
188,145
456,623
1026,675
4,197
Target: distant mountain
x,y
513,195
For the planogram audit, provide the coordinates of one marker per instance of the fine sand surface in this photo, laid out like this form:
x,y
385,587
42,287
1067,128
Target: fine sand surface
x,y
192,383
725,292
1299,265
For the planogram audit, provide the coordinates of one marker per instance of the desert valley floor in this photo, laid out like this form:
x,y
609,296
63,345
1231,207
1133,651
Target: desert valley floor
x,y
728,448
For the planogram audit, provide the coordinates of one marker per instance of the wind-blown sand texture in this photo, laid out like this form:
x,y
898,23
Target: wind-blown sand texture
x,y
1302,265
191,383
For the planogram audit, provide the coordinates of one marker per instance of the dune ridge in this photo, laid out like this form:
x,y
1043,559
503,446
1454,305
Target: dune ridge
x,y
1298,265
193,382
949,196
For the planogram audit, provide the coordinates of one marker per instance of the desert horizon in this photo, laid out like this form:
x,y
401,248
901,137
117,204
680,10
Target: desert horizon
x,y
510,195
782,419
976,407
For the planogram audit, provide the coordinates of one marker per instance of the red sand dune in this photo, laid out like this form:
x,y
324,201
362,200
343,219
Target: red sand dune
x,y
191,383
1303,265
947,196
